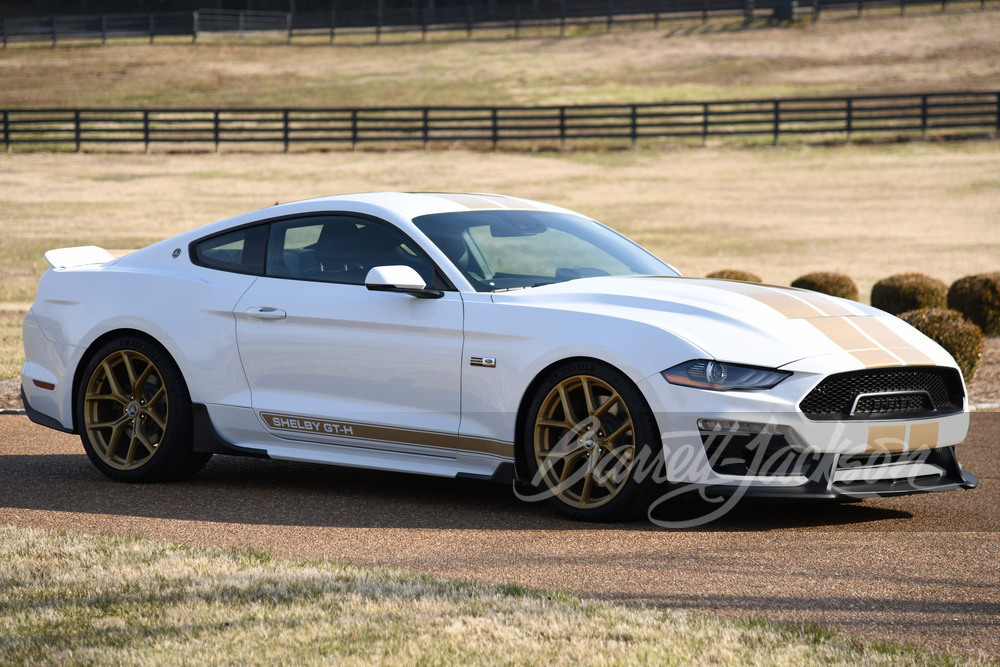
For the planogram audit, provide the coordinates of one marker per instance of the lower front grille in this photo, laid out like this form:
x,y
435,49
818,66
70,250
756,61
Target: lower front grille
x,y
886,393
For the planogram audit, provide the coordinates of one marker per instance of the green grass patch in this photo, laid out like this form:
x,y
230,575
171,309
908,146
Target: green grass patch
x,y
111,599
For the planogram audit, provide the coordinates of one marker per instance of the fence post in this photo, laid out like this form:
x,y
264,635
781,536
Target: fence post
x,y
923,116
288,21
704,124
425,126
468,21
354,129
333,24
241,22
748,11
423,23
902,7
145,129
704,12
861,8
285,129
850,118
76,129
611,13
562,127
656,14
777,121
495,127
3,32
6,130
55,36
378,24
815,10
215,129
152,26
194,31
562,18
104,29
634,129
517,19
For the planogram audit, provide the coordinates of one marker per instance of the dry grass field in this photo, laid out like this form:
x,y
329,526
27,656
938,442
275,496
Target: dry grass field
x,y
868,211
923,52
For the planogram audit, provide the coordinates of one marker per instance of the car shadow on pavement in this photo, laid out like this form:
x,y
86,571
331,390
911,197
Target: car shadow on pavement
x,y
256,492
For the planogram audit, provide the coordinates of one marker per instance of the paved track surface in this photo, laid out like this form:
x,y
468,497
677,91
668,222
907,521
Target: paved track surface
x,y
920,569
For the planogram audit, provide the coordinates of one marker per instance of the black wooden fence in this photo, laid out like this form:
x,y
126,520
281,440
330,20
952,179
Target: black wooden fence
x,y
510,18
818,119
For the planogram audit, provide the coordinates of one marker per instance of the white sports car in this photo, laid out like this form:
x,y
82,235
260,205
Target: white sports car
x,y
481,336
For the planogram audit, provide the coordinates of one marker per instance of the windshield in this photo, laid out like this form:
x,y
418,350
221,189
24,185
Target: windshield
x,y
510,249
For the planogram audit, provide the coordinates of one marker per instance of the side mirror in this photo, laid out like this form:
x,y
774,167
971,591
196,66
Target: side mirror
x,y
400,278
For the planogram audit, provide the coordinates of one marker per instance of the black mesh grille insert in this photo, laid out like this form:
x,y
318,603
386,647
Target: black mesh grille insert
x,y
898,392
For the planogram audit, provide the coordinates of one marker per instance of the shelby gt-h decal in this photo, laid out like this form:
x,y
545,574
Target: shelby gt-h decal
x,y
350,330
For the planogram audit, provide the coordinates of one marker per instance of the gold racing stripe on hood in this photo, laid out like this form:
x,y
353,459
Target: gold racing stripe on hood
x,y
779,300
871,342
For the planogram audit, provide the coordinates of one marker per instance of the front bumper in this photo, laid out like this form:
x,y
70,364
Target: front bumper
x,y
759,444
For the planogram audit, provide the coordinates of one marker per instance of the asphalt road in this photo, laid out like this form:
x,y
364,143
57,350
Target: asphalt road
x,y
919,569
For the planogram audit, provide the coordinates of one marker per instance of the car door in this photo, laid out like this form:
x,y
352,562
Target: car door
x,y
329,361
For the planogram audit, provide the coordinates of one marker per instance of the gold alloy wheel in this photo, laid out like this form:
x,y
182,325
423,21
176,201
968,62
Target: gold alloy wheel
x,y
584,442
125,409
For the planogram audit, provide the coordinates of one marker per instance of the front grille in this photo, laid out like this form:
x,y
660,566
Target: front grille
x,y
886,393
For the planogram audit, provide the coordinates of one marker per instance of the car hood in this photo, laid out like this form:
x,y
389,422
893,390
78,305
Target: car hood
x,y
763,325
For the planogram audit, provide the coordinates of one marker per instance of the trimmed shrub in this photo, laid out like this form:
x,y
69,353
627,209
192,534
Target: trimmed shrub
x,y
735,274
950,330
828,282
908,291
978,298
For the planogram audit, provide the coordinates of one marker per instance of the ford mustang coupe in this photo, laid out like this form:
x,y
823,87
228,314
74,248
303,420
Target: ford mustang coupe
x,y
482,336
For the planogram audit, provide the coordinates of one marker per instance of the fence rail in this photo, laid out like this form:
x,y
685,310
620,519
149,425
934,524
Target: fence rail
x,y
512,18
822,118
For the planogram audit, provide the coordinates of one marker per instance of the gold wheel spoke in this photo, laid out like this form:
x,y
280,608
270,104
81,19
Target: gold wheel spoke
x,y
568,466
567,408
588,484
127,363
588,396
111,424
160,393
618,453
116,436
116,391
152,414
607,405
120,400
552,423
619,432
140,383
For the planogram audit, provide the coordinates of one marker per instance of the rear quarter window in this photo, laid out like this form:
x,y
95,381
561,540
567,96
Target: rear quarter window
x,y
240,251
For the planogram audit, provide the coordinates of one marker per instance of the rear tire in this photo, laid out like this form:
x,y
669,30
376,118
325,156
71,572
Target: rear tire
x,y
133,411
589,442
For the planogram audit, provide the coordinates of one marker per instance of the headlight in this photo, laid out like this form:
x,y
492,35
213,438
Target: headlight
x,y
719,376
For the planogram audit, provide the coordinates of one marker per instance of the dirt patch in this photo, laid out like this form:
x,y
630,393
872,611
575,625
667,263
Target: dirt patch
x,y
10,393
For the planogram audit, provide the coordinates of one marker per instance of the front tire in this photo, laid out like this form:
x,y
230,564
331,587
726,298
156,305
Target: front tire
x,y
134,413
590,441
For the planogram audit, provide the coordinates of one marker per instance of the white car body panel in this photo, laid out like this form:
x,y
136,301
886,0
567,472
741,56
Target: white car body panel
x,y
336,373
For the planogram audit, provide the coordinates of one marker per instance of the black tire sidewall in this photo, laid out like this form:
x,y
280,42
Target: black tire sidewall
x,y
633,500
173,456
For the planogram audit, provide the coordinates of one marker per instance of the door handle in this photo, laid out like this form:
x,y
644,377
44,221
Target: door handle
x,y
266,313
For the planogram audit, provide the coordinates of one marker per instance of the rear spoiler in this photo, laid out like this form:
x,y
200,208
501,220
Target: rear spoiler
x,y
68,258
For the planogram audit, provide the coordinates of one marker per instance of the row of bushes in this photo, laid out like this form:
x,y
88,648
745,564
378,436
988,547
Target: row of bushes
x,y
955,317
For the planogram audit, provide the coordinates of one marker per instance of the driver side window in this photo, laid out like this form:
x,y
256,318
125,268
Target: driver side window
x,y
339,249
